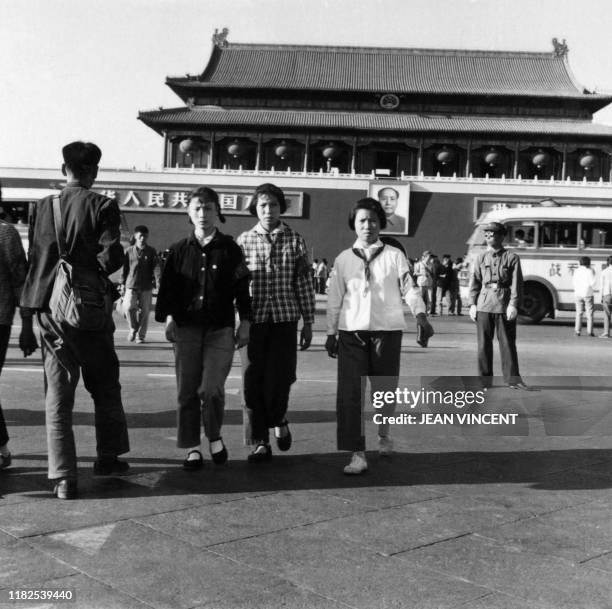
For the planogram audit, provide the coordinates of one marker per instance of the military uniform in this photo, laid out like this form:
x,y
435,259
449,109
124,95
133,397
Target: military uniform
x,y
496,282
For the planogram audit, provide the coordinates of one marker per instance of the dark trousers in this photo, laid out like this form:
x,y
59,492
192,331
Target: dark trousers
x,y
487,325
66,352
5,333
363,354
272,352
203,359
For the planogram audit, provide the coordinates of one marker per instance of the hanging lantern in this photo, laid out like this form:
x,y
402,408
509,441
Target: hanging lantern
x,y
445,155
587,160
492,157
331,151
282,150
188,145
236,149
540,158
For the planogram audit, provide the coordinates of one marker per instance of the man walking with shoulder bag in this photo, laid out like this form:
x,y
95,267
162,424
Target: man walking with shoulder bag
x,y
87,236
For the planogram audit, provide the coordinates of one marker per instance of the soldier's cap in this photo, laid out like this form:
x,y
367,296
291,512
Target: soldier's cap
x,y
495,227
426,253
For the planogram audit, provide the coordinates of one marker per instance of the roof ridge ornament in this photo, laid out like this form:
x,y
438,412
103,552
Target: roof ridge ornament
x,y
560,49
220,38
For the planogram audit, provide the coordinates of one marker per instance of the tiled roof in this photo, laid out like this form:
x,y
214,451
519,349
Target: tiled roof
x,y
364,69
207,117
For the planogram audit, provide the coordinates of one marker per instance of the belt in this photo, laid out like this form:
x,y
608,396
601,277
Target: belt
x,y
493,286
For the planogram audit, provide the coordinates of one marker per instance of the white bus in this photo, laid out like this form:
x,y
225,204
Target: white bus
x,y
549,241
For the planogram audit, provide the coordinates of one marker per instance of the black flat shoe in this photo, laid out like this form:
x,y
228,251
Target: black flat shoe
x,y
220,457
110,466
284,442
66,488
192,465
5,461
262,453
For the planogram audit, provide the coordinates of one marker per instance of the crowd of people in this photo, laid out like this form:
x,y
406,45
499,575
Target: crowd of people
x,y
265,275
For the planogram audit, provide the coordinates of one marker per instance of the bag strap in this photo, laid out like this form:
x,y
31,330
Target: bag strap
x,y
59,229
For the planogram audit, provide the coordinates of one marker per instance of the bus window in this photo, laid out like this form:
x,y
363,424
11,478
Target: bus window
x,y
596,234
520,234
558,234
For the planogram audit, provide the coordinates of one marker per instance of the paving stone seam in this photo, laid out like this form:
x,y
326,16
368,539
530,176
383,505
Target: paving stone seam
x,y
255,535
128,518
206,550
49,583
78,571
426,545
586,560
374,508
524,550
454,576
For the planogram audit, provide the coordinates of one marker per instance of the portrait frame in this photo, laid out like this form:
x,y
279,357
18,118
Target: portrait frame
x,y
398,225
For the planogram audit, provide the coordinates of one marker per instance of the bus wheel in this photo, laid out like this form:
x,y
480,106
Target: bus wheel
x,y
534,305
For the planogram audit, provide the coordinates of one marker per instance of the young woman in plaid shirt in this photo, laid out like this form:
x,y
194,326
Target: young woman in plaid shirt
x,y
282,292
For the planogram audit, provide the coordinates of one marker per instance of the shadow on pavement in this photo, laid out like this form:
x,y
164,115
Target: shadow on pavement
x,y
543,470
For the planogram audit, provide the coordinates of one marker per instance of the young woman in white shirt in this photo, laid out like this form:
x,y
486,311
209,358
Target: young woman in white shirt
x,y
365,321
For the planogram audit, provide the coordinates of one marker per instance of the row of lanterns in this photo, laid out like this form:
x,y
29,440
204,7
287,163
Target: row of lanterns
x,y
237,148
444,156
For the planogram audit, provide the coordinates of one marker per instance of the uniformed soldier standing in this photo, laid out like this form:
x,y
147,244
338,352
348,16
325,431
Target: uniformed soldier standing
x,y
495,290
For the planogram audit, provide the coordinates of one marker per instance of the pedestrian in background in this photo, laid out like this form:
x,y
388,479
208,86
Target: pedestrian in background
x,y
282,292
91,225
605,289
495,291
423,271
321,276
13,268
455,288
365,321
584,282
138,280
204,275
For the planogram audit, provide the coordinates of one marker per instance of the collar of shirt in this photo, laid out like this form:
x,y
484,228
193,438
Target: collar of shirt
x,y
498,252
368,249
206,240
262,231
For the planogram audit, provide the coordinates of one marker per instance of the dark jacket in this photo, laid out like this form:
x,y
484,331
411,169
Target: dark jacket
x,y
139,270
199,284
92,233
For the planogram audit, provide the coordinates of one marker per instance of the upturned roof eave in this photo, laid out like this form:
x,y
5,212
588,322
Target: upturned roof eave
x,y
182,85
151,119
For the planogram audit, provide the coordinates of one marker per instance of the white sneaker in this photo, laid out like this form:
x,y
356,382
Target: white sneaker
x,y
385,446
358,465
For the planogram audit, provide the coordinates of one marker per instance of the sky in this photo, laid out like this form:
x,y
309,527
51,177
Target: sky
x,y
83,69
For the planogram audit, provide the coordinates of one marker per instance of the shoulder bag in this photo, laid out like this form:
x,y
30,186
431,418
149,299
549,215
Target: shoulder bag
x,y
79,296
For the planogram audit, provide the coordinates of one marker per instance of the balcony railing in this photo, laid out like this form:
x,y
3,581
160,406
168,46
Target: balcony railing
x,y
333,174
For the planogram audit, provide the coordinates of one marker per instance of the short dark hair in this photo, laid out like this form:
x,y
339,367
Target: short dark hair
x,y
81,157
372,205
272,191
205,193
609,260
141,228
585,261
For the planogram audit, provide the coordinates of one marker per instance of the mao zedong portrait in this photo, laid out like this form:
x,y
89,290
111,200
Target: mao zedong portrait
x,y
389,198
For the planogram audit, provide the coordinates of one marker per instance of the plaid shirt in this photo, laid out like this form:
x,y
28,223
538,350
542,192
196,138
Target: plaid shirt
x,y
281,285
12,272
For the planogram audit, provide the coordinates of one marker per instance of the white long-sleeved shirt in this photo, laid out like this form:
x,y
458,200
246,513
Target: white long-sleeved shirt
x,y
353,306
583,281
605,282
